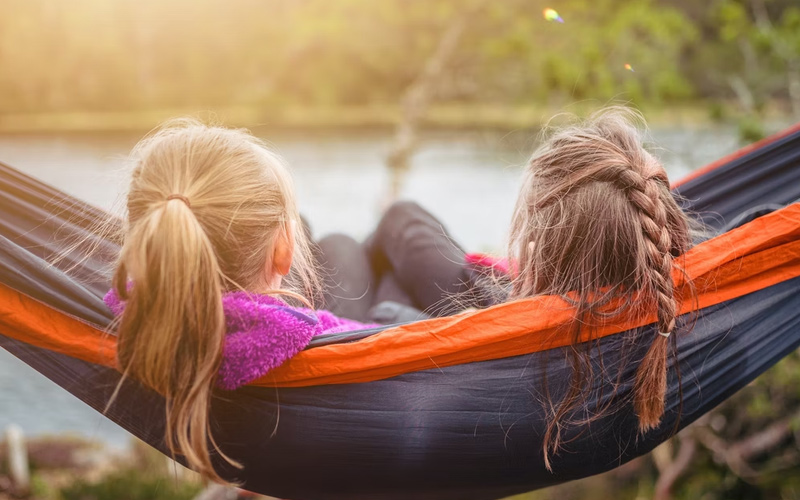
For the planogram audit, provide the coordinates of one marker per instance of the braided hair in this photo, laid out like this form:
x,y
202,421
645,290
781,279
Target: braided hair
x,y
596,223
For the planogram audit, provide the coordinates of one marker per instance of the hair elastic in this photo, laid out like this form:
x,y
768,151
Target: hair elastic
x,y
665,334
180,197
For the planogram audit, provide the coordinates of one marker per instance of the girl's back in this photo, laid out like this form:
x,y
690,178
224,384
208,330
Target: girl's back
x,y
596,223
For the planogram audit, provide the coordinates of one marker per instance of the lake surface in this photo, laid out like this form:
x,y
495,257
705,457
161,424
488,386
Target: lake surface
x,y
468,180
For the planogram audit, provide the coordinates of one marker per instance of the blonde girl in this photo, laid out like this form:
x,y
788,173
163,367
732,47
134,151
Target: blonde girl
x,y
210,235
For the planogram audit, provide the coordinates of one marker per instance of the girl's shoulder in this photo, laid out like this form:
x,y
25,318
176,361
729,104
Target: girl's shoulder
x,y
262,332
245,311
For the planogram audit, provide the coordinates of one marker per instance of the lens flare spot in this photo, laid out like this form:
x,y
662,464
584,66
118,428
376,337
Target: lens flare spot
x,y
551,15
629,68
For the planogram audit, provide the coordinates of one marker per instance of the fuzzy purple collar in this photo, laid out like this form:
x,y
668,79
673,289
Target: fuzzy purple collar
x,y
263,332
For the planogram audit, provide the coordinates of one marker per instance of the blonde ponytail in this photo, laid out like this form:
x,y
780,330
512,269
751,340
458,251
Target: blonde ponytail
x,y
205,208
172,332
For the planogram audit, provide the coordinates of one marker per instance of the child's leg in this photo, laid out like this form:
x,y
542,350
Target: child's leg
x,y
414,246
389,290
347,277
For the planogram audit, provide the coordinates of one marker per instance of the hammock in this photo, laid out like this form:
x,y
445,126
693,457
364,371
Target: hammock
x,y
442,408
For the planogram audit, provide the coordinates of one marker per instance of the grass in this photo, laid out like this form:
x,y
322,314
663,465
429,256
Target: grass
x,y
130,484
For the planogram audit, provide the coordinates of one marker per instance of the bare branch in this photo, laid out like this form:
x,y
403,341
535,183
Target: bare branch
x,y
673,471
419,94
761,15
765,440
737,455
743,93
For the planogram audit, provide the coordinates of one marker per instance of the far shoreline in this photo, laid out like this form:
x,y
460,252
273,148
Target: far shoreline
x,y
454,116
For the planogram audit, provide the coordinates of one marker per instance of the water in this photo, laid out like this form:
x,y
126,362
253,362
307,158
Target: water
x,y
468,180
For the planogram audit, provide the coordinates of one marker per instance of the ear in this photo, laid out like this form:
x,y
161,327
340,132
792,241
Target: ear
x,y
283,251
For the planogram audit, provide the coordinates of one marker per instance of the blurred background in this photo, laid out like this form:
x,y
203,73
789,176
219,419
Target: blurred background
x,y
440,101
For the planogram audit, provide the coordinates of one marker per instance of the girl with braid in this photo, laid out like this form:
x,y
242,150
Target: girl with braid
x,y
595,222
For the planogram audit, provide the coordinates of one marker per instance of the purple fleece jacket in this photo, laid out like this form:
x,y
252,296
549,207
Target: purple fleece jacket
x,y
262,333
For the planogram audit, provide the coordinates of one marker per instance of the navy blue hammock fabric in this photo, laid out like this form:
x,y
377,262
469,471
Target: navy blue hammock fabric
x,y
466,431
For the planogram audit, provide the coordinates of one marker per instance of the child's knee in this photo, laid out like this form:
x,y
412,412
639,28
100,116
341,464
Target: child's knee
x,y
403,209
338,243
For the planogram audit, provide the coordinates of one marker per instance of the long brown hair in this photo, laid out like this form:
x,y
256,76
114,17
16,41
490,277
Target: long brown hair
x,y
596,223
204,209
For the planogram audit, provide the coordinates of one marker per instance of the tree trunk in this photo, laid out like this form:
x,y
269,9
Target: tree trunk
x,y
418,97
793,77
743,93
18,467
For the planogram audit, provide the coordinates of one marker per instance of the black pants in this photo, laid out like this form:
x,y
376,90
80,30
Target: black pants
x,y
410,259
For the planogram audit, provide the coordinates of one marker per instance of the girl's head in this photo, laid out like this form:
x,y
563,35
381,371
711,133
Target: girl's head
x,y
208,210
596,221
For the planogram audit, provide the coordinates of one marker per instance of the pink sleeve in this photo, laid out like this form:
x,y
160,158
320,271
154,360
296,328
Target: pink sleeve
x,y
498,264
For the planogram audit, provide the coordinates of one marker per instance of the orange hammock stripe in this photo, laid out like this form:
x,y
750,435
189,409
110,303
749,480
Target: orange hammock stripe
x,y
760,254
28,320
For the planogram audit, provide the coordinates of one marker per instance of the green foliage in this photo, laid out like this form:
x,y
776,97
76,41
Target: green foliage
x,y
763,51
750,130
734,22
130,484
716,111
41,489
124,55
